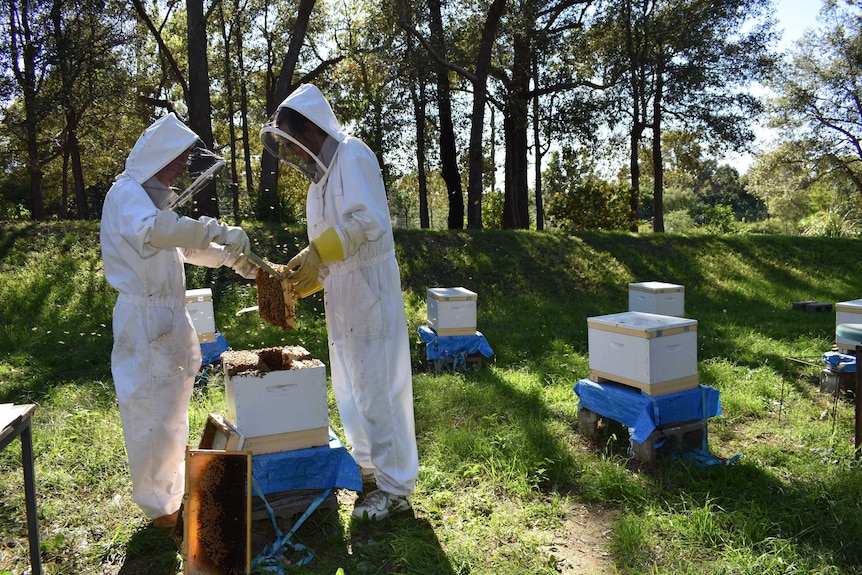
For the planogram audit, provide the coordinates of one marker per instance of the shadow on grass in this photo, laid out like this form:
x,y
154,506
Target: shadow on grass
x,y
151,551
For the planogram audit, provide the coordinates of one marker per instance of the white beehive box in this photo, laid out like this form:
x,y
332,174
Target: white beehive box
x,y
654,353
452,311
199,304
847,312
657,297
279,401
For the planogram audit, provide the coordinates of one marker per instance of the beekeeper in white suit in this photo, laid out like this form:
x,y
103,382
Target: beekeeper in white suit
x,y
156,353
352,253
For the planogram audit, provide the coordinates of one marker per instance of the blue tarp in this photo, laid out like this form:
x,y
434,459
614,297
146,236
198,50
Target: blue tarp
x,y
642,413
329,466
840,361
211,352
442,347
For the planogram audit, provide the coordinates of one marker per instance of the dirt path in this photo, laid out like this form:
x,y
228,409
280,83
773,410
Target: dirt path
x,y
581,547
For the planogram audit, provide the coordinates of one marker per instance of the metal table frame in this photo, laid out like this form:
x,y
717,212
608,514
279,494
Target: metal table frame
x,y
16,423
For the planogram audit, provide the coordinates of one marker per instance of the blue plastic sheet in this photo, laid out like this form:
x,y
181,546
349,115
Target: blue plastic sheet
x,y
328,466
211,352
442,347
840,361
642,413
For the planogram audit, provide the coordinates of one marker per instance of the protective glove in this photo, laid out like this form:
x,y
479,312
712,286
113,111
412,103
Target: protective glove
x,y
245,267
236,241
173,231
304,267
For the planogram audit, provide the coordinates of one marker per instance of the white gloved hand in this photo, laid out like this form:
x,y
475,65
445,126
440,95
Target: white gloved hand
x,y
236,241
245,267
304,267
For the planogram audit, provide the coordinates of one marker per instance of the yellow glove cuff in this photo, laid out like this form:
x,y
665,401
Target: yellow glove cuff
x,y
307,291
328,246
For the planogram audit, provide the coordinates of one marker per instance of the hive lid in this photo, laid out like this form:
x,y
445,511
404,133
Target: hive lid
x,y
642,324
203,294
656,287
852,305
451,294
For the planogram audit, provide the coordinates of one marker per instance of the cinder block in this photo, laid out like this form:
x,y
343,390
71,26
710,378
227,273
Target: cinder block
x,y
672,436
588,421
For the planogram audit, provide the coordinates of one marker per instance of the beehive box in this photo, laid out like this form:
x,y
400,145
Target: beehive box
x,y
452,311
847,312
274,391
657,297
654,353
199,304
219,433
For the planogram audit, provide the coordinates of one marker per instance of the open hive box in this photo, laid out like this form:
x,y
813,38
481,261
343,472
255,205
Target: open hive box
x,y
278,391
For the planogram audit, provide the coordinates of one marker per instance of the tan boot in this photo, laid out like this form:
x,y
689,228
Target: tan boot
x,y
166,521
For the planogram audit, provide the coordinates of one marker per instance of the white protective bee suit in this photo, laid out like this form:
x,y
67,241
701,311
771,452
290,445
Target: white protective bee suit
x,y
156,353
369,349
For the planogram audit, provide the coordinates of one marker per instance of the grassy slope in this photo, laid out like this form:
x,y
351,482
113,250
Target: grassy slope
x,y
500,459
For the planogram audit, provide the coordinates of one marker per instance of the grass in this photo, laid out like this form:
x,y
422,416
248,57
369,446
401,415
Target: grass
x,y
505,477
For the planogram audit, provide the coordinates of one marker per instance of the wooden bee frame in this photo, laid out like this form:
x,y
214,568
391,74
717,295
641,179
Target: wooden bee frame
x,y
217,513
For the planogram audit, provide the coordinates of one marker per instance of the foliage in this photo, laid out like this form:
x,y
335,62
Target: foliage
x,y
580,200
830,225
492,210
817,93
718,220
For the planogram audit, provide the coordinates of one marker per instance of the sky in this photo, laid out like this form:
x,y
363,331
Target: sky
x,y
794,17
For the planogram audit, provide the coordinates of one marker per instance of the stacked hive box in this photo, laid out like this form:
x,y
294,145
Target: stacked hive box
x,y
276,399
657,297
199,305
656,354
652,348
451,311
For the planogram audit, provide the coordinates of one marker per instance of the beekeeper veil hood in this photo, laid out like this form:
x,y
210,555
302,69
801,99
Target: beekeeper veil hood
x,y
282,138
158,146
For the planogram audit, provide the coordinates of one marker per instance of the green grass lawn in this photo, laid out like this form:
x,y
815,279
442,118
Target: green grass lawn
x,y
507,484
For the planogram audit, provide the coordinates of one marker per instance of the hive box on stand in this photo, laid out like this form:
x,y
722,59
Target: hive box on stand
x,y
657,297
199,304
654,353
276,398
452,311
847,312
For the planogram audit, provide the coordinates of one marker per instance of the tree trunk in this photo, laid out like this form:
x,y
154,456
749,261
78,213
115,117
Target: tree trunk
x,y
74,148
637,125
269,207
515,203
477,127
198,102
233,185
243,107
658,169
448,152
24,50
419,100
537,147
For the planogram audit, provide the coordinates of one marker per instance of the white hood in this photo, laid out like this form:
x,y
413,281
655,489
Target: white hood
x,y
158,146
310,102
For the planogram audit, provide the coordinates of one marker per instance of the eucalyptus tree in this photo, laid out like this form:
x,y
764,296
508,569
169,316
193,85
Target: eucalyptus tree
x,y
818,97
482,21
85,70
371,84
533,33
688,64
307,57
25,27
